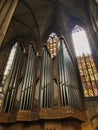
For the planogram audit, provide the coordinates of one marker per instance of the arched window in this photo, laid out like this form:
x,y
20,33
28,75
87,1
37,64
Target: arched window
x,y
87,68
53,44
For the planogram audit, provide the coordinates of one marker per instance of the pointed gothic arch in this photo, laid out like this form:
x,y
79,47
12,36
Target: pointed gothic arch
x,y
86,64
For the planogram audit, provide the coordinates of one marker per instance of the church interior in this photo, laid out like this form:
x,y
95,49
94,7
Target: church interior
x,y
48,65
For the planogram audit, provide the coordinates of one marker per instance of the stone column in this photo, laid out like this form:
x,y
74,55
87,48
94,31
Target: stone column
x,y
7,8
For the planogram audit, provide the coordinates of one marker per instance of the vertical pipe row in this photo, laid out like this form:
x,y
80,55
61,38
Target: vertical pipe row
x,y
37,85
55,83
28,81
45,72
62,76
71,80
11,81
43,77
48,84
45,86
24,90
68,82
13,85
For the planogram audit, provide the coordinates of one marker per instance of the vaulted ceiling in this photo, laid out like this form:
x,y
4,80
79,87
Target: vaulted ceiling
x,y
36,19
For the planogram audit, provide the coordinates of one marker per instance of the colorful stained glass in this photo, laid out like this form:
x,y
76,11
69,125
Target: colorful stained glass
x,y
91,77
84,65
95,91
85,92
88,85
94,70
82,60
94,84
90,58
87,69
81,72
85,72
90,92
83,78
87,77
92,63
87,60
52,44
90,71
88,64
80,67
96,76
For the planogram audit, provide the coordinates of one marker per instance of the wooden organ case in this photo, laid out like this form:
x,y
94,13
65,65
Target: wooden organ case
x,y
41,91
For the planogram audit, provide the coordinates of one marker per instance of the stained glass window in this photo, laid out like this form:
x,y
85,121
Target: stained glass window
x,y
52,44
87,69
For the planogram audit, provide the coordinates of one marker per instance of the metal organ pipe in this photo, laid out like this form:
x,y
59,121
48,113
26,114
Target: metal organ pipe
x,y
68,82
45,86
11,81
30,85
16,68
50,85
37,84
62,76
24,82
55,82
28,81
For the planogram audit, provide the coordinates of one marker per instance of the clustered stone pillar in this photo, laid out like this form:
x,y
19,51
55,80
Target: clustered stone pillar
x,y
7,8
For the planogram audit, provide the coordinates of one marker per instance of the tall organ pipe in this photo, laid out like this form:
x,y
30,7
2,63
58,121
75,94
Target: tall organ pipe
x,y
11,82
28,81
45,85
68,81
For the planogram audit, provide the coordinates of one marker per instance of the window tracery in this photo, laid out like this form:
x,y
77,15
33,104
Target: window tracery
x,y
86,64
53,44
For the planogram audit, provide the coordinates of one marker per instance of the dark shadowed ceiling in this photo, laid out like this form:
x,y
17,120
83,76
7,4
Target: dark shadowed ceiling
x,y
36,19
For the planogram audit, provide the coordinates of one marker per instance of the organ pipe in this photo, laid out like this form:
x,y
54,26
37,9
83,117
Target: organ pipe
x,y
25,102
68,81
11,81
37,83
45,86
46,81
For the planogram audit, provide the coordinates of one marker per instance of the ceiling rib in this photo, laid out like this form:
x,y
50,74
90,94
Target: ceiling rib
x,y
32,12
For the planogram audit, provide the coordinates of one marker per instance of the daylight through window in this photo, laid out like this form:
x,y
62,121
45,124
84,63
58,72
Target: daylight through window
x,y
87,69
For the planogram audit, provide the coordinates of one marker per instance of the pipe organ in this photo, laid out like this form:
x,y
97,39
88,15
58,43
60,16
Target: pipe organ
x,y
45,99
11,80
68,81
41,85
27,87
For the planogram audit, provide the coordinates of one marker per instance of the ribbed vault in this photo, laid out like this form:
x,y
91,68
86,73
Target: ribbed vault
x,y
36,19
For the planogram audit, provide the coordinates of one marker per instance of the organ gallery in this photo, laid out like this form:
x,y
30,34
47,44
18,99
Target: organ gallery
x,y
48,65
